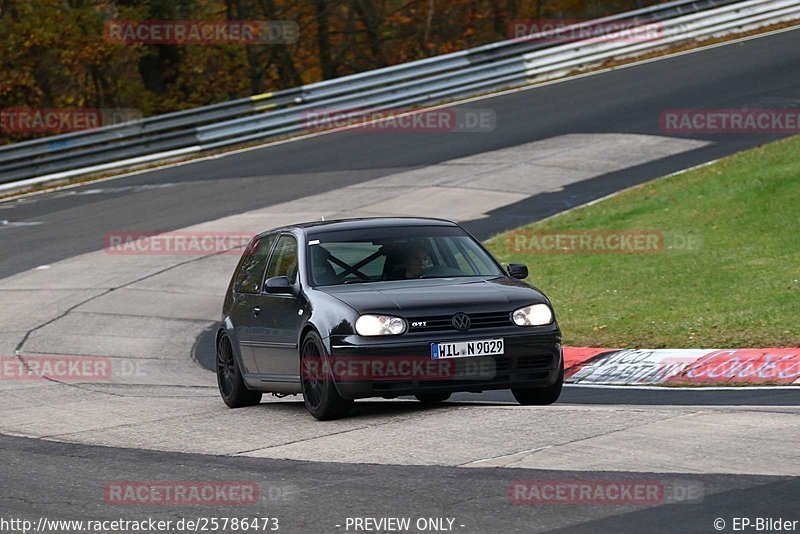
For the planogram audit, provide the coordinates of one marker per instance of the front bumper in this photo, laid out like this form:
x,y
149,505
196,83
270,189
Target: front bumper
x,y
406,367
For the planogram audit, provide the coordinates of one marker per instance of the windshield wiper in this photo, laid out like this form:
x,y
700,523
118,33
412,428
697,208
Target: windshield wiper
x,y
358,281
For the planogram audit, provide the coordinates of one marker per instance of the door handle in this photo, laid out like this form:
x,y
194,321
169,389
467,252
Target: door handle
x,y
256,311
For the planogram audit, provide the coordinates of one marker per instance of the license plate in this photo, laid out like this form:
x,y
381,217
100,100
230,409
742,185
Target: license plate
x,y
466,349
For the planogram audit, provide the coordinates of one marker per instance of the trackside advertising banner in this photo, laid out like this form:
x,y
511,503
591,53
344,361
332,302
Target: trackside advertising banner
x,y
779,366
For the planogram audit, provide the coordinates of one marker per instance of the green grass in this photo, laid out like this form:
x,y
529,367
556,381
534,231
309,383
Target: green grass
x,y
738,286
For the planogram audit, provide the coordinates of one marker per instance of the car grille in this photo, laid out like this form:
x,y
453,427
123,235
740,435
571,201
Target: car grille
x,y
443,323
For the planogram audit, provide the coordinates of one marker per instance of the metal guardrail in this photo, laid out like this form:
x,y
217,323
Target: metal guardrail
x,y
430,81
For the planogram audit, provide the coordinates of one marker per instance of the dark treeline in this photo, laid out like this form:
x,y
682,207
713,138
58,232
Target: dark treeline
x,y
54,53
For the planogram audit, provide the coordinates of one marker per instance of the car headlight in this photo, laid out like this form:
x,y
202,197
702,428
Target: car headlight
x,y
535,315
380,325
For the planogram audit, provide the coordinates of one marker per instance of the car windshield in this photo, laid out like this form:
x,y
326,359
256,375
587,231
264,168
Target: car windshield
x,y
392,253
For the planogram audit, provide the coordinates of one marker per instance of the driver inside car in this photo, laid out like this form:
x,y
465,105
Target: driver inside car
x,y
415,262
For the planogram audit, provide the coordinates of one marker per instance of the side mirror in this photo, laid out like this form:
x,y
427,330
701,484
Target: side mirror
x,y
278,285
518,270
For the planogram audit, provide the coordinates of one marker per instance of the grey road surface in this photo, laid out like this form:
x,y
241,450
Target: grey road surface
x,y
735,445
760,73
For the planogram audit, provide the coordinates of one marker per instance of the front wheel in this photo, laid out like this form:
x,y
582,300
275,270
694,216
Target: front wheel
x,y
320,396
232,388
540,396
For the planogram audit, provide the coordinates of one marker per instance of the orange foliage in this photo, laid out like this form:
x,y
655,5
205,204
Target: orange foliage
x,y
54,53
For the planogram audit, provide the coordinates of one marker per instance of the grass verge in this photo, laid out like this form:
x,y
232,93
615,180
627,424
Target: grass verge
x,y
725,272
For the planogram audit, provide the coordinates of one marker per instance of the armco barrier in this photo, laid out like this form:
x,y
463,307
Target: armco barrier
x,y
426,82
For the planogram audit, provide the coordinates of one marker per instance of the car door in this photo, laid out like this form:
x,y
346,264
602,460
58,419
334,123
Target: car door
x,y
246,288
280,317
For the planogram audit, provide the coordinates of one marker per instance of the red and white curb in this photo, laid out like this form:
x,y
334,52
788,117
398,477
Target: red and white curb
x,y
692,367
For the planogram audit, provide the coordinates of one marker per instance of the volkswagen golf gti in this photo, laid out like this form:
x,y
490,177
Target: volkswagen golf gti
x,y
382,307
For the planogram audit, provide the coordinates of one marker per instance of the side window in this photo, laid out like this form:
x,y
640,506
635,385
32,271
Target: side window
x,y
248,279
284,259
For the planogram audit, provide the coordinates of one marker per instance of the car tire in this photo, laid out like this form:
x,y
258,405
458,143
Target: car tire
x,y
432,398
320,396
540,396
232,388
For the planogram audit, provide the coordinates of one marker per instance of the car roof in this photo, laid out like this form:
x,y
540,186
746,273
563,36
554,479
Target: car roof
x,y
315,227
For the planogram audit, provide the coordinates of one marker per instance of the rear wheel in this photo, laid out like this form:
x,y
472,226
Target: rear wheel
x,y
540,396
432,398
320,396
232,388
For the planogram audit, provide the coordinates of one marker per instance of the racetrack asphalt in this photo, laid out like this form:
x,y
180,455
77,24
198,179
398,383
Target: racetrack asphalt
x,y
42,478
318,496
758,73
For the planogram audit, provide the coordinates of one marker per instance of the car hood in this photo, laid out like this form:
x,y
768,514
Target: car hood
x,y
437,295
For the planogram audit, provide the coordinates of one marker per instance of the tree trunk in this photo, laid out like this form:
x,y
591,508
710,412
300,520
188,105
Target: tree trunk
x,y
289,77
324,39
366,13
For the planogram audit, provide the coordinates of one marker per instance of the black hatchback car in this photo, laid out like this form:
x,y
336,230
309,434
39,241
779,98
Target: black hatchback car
x,y
382,307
